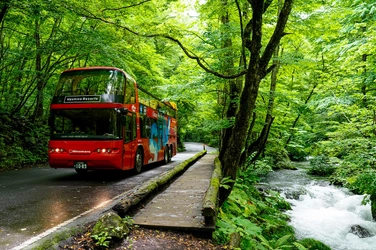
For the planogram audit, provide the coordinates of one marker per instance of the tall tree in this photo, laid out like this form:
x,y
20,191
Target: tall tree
x,y
258,68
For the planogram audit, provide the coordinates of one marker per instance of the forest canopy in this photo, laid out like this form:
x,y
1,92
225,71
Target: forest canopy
x,y
308,66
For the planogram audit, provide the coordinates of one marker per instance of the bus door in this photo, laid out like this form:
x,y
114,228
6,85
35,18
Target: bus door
x,y
161,141
130,143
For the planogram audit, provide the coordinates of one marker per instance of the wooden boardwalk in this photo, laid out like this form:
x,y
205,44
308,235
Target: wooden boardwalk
x,y
179,206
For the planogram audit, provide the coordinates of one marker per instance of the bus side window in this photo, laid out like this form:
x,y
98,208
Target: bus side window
x,y
134,127
148,128
130,93
143,125
130,127
127,128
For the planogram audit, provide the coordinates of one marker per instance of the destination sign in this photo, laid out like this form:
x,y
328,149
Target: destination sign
x,y
82,98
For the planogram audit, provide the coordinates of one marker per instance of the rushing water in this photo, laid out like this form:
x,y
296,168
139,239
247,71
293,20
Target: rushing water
x,y
324,212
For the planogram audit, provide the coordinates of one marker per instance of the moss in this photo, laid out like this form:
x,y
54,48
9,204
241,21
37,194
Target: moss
x,y
51,243
112,224
312,244
373,206
211,195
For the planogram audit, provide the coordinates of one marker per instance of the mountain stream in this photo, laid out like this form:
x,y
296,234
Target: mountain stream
x,y
324,212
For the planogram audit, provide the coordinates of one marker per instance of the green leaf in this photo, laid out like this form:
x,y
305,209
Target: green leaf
x,y
299,246
283,240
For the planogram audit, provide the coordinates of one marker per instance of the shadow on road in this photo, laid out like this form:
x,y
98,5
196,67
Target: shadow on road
x,y
97,176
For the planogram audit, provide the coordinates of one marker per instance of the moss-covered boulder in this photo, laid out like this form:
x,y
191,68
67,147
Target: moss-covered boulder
x,y
373,206
312,244
111,225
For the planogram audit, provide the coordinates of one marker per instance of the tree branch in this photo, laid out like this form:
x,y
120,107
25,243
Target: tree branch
x,y
248,27
126,7
198,59
241,33
277,35
189,54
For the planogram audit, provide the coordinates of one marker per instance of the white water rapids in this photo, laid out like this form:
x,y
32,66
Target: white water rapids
x,y
324,212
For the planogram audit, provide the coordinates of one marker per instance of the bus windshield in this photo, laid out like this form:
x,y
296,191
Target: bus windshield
x,y
91,124
91,82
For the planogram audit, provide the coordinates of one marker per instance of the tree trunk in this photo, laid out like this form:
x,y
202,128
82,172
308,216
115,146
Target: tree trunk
x,y
231,88
38,111
4,10
233,148
259,145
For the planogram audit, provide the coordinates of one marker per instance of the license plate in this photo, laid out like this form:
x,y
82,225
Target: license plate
x,y
80,165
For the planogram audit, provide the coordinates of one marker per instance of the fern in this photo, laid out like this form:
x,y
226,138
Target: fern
x,y
264,242
283,240
225,182
299,246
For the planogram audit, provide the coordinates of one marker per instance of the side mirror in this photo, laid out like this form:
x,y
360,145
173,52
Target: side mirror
x,y
123,111
50,121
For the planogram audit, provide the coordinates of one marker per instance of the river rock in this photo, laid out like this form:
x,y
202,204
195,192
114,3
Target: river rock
x,y
295,194
360,231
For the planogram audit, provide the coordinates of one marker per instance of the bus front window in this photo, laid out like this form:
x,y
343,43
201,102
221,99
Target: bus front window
x,y
91,82
91,124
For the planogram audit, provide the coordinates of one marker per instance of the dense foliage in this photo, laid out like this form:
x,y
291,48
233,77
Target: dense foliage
x,y
22,142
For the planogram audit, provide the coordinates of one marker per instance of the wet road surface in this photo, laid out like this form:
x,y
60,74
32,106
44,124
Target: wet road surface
x,y
38,199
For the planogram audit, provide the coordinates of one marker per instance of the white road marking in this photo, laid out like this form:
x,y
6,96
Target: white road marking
x,y
54,229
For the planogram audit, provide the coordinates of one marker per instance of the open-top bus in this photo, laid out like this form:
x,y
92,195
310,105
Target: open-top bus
x,y
101,119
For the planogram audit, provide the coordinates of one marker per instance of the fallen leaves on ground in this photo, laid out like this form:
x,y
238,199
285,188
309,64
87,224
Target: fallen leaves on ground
x,y
146,239
150,239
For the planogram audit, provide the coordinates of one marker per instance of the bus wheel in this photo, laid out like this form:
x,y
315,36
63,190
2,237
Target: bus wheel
x,y
81,171
138,161
169,153
166,156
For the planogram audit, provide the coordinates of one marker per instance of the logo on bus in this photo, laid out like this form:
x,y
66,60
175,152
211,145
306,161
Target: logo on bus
x,y
82,98
79,151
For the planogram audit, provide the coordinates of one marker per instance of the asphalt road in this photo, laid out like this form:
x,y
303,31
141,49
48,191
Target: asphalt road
x,y
34,202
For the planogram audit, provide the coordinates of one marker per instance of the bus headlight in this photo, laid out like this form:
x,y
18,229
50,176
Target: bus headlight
x,y
56,150
107,150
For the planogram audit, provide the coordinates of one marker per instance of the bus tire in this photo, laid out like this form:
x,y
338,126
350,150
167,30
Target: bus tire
x,y
169,153
166,155
81,171
138,161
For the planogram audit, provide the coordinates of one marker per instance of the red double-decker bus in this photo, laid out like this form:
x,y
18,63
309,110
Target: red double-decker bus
x,y
101,119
